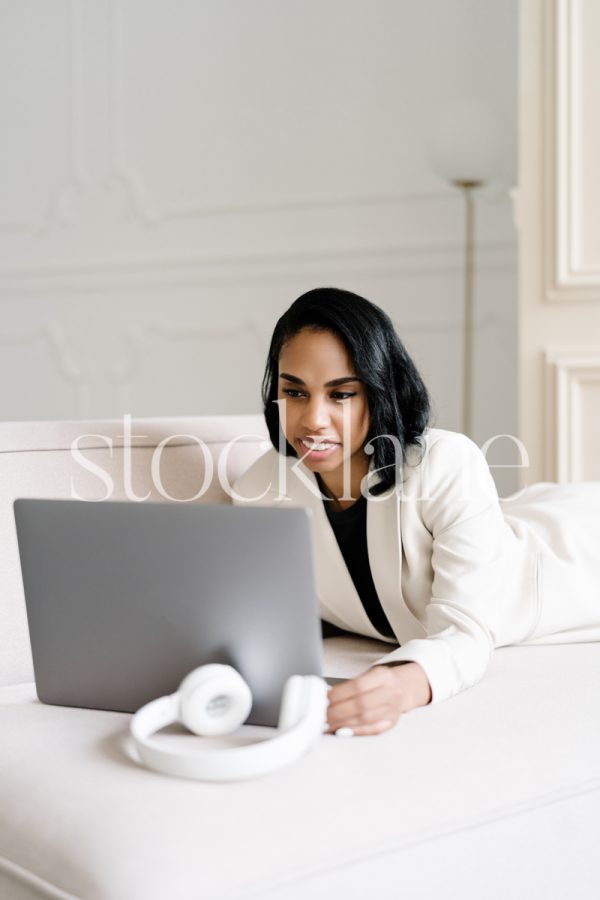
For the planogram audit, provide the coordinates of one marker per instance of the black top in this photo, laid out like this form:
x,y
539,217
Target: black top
x,y
350,529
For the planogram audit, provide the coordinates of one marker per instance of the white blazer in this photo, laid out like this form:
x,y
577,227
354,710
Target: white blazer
x,y
457,570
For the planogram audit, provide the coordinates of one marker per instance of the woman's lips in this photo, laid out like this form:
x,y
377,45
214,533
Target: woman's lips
x,y
310,451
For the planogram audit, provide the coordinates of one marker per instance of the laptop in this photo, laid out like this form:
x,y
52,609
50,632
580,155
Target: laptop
x,y
124,599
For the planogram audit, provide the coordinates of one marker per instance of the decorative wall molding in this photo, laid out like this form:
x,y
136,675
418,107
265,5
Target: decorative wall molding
x,y
139,347
146,211
568,276
53,336
136,340
569,371
55,209
256,268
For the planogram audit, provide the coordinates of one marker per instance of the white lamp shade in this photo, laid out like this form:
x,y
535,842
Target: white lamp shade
x,y
466,142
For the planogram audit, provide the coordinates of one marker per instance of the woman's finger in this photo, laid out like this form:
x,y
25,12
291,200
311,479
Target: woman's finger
x,y
372,728
358,702
364,717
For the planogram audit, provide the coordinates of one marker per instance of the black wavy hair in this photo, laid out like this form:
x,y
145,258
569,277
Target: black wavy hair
x,y
398,400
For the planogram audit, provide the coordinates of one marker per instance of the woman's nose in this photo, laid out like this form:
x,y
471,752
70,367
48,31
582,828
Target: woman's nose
x,y
315,415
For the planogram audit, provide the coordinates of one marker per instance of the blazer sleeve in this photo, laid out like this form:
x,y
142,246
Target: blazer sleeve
x,y
459,506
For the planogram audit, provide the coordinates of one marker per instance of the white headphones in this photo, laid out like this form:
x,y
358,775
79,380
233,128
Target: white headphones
x,y
214,699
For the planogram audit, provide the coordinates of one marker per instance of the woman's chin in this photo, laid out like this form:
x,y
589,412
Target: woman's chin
x,y
322,466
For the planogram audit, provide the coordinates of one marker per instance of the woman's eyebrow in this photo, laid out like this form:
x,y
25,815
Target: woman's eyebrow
x,y
334,383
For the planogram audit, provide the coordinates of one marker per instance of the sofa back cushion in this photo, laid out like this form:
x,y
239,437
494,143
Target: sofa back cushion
x,y
158,459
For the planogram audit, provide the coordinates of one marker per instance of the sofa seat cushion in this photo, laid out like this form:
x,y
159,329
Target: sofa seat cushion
x,y
493,793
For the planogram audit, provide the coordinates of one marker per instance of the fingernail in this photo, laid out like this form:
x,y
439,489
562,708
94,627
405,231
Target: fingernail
x,y
344,732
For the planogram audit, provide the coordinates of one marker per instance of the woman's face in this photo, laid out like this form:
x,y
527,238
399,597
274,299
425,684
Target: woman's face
x,y
318,382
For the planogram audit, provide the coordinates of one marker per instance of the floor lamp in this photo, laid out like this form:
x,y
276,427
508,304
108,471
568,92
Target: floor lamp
x,y
464,147
467,187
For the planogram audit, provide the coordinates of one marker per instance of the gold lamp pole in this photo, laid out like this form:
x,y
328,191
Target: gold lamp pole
x,y
467,188
465,146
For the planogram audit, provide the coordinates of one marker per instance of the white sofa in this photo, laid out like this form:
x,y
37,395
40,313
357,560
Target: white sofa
x,y
495,793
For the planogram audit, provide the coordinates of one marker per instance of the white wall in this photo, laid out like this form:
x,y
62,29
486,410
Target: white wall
x,y
559,318
173,174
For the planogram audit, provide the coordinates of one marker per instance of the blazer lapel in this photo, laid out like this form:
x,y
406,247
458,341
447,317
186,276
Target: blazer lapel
x,y
338,598
384,544
337,594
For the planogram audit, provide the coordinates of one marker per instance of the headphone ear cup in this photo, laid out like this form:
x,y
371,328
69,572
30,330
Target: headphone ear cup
x,y
214,699
293,702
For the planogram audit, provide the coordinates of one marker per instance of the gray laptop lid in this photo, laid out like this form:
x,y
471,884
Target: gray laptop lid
x,y
124,599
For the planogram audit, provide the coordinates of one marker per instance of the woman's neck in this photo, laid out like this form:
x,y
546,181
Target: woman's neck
x,y
334,489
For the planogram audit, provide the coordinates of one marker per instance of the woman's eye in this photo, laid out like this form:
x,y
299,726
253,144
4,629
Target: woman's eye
x,y
336,395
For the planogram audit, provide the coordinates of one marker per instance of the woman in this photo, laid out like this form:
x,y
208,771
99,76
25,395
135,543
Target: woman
x,y
412,544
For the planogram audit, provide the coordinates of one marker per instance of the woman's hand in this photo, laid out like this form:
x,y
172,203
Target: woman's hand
x,y
374,701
